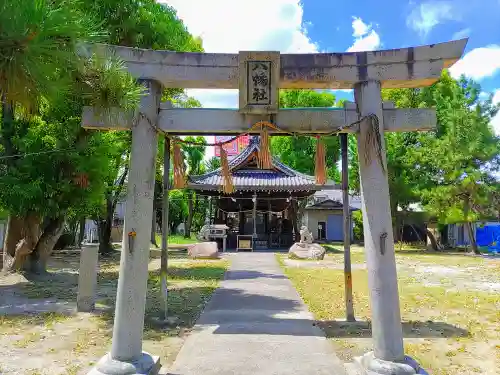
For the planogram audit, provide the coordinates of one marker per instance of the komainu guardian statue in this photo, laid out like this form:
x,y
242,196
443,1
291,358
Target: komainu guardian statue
x,y
203,234
306,236
306,249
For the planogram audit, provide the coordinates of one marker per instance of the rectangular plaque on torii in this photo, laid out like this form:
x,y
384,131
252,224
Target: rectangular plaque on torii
x,y
259,74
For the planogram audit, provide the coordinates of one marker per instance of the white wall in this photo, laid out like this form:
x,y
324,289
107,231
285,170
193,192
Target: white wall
x,y
311,219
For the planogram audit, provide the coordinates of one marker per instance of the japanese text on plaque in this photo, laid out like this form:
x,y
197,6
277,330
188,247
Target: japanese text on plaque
x,y
259,82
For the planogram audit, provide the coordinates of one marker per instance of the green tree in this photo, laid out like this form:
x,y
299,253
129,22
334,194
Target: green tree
x,y
142,24
212,164
178,209
299,152
43,81
457,164
449,170
194,156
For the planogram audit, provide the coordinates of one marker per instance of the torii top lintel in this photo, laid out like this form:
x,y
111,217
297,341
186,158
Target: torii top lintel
x,y
395,68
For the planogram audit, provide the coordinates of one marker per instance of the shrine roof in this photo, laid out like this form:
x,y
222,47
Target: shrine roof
x,y
248,178
329,204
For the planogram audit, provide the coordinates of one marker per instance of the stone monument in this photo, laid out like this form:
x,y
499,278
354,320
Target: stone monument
x,y
306,249
204,250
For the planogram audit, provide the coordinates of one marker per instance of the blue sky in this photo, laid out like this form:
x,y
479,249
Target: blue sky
x,y
293,26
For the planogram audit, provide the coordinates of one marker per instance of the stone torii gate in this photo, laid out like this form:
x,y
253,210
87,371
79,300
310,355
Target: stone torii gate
x,y
259,76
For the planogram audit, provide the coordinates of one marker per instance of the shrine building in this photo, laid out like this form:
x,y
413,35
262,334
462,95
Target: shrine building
x,y
262,211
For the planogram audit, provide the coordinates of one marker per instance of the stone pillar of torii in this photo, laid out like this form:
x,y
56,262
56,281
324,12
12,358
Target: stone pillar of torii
x,y
259,76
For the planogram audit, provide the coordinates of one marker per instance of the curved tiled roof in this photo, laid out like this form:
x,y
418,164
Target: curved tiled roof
x,y
281,177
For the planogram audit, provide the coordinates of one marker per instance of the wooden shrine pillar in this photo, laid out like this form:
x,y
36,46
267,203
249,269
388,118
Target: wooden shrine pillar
x,y
241,221
346,229
269,223
254,215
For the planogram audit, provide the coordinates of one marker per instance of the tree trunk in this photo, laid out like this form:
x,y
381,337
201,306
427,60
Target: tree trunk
x,y
472,238
104,231
432,239
73,228
13,234
395,222
21,237
81,233
189,222
153,228
45,245
106,225
295,223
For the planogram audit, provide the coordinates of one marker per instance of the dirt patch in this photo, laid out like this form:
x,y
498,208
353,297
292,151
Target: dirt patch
x,y
38,318
453,271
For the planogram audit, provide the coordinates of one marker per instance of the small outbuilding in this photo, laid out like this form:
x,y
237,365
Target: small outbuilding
x,y
324,215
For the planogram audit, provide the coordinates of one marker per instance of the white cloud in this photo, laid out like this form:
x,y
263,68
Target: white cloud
x,y
483,95
230,26
359,28
425,16
496,120
479,63
366,39
284,30
462,33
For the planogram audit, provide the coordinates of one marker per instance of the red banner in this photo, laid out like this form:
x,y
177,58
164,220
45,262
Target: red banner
x,y
232,148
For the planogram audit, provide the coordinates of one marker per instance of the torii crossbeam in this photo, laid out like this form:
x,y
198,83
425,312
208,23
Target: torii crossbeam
x,y
259,76
187,121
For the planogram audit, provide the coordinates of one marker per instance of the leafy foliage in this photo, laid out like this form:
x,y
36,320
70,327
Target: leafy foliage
x,y
46,180
45,80
299,152
38,39
452,171
212,164
142,24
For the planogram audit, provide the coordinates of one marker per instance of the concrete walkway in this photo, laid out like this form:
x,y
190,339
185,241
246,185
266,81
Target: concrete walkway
x,y
256,323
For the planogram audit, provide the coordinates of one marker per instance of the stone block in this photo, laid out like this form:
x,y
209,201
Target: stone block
x,y
87,278
205,250
310,251
145,364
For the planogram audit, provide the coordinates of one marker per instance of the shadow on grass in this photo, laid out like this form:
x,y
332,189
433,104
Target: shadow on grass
x,y
442,253
412,329
172,254
333,248
189,290
233,311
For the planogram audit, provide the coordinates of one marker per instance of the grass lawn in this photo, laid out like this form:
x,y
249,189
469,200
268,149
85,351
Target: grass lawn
x,y
176,239
63,342
450,305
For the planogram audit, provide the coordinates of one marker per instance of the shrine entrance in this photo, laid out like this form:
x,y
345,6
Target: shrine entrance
x,y
259,76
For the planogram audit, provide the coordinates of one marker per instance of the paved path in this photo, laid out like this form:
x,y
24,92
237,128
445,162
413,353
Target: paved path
x,y
256,324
